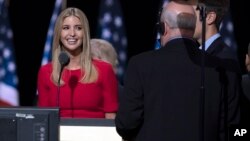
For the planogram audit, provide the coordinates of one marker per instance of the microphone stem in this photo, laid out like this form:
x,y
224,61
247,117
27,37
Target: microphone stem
x,y
58,88
202,9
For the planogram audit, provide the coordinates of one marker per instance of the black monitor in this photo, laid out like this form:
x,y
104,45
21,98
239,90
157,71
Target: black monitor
x,y
29,124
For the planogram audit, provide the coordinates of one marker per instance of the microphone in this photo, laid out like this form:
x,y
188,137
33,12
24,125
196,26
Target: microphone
x,y
64,60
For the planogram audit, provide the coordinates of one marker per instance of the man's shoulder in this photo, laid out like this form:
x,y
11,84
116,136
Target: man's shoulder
x,y
148,55
222,50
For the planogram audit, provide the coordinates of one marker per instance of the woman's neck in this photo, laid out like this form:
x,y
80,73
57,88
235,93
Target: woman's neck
x,y
74,63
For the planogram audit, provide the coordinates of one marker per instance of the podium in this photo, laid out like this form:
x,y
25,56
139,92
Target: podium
x,y
44,124
90,129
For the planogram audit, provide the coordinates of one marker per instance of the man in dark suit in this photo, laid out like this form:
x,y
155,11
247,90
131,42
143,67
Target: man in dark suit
x,y
215,12
214,43
162,97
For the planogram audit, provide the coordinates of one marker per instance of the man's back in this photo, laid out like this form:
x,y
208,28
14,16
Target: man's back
x,y
166,84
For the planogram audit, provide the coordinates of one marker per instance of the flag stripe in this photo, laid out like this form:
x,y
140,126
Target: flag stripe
x,y
8,94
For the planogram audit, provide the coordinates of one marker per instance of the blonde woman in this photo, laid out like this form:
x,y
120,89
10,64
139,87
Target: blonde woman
x,y
88,87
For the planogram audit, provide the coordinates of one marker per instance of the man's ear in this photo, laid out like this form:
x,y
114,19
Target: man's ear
x,y
211,17
166,28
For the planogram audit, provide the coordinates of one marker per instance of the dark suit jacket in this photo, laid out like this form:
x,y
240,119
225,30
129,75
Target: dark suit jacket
x,y
220,49
161,99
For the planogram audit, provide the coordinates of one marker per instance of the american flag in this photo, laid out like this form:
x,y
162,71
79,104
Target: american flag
x,y
227,31
111,28
48,44
9,95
